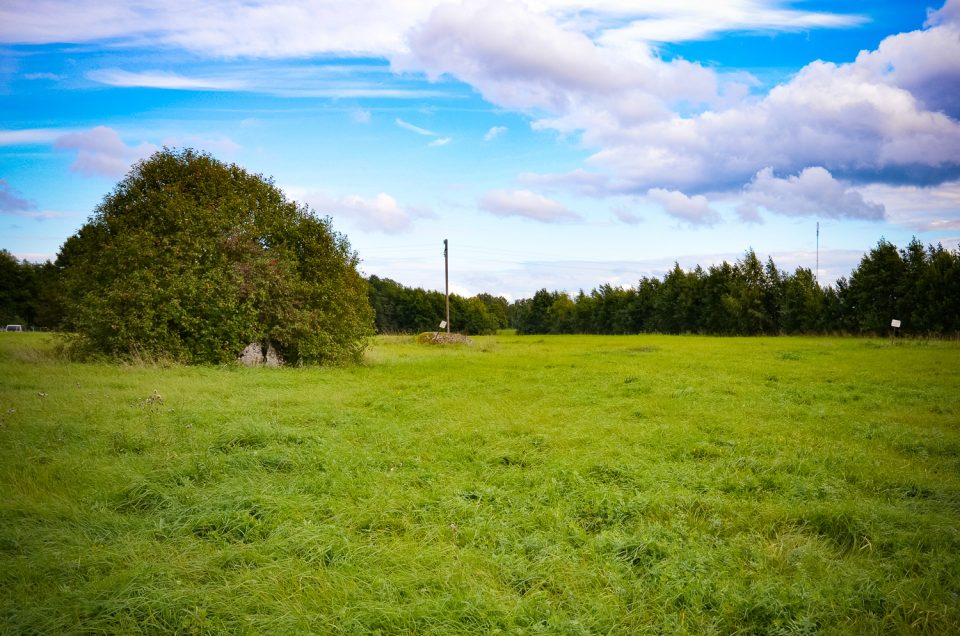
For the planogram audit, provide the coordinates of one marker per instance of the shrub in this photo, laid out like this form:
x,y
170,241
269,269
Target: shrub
x,y
192,259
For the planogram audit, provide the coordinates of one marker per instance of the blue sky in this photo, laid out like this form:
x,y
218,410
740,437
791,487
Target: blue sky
x,y
556,143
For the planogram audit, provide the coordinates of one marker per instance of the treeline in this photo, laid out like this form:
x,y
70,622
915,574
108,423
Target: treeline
x,y
28,293
400,309
920,286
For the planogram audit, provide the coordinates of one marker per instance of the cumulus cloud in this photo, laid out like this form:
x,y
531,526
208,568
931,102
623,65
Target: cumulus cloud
x,y
886,117
101,152
525,204
557,69
587,70
948,14
494,132
694,210
813,192
925,63
382,213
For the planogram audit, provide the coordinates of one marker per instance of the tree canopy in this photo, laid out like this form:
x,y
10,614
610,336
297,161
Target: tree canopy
x,y
193,259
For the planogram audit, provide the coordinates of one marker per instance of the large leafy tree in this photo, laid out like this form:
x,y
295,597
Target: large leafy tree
x,y
193,259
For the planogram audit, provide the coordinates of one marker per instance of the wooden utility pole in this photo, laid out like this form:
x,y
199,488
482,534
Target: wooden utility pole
x,y
816,276
446,279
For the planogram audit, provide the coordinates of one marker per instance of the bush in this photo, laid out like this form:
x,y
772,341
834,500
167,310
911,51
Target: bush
x,y
192,259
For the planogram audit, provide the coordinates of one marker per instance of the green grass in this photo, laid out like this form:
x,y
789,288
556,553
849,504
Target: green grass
x,y
522,485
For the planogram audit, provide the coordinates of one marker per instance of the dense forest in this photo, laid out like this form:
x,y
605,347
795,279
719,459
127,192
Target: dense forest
x,y
918,285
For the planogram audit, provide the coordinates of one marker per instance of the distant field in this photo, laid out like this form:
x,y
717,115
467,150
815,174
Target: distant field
x,y
523,485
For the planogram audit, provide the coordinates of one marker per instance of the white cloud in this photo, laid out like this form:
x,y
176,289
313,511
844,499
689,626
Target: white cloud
x,y
683,21
361,116
417,129
948,14
875,119
694,210
53,77
382,213
814,192
557,69
11,202
101,152
625,215
526,204
443,141
29,136
925,63
284,80
592,184
585,69
922,209
494,132
218,28
162,79
271,29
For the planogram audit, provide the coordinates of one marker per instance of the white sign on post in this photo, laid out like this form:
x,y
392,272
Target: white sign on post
x,y
895,323
443,324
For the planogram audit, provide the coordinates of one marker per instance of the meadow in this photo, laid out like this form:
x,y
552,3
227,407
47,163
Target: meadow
x,y
554,485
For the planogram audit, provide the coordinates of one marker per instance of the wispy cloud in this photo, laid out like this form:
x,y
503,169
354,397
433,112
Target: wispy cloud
x,y
441,141
685,21
261,28
29,136
417,129
278,79
53,77
162,79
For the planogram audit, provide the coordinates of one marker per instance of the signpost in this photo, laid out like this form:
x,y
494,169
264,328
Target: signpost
x,y
896,325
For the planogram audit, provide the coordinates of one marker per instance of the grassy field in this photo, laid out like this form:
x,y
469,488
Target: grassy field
x,y
522,485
